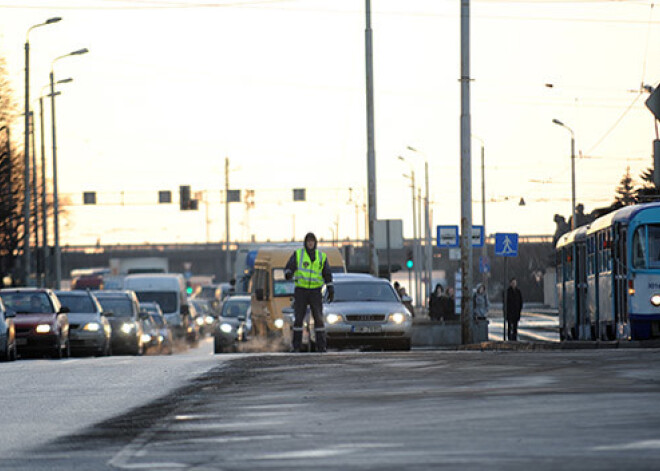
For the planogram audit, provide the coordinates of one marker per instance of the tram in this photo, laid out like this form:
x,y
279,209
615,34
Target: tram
x,y
608,276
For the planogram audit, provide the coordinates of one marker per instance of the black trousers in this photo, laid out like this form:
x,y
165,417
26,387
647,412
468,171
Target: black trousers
x,y
513,329
301,299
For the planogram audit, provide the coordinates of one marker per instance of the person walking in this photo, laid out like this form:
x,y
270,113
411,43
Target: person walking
x,y
310,270
513,303
481,303
435,303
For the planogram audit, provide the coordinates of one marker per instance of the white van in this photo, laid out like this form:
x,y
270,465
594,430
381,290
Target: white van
x,y
166,289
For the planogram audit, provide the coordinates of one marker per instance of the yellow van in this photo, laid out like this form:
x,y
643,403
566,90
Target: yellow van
x,y
271,292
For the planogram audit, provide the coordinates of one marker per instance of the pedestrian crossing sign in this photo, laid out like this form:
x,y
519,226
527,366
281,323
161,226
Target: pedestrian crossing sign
x,y
506,244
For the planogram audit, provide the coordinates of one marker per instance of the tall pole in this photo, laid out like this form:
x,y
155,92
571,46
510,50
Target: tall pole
x,y
414,238
420,258
227,252
35,198
574,224
466,179
371,153
429,248
44,199
27,261
56,207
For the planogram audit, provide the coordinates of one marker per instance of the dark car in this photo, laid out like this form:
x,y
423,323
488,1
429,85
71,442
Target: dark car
x,y
232,324
206,318
89,330
122,310
42,324
164,330
7,334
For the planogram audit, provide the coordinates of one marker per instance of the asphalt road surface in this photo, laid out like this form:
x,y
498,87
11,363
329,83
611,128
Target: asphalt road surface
x,y
468,410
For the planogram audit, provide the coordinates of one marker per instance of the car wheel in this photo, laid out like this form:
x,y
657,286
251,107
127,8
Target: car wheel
x,y
58,353
67,349
5,356
217,346
14,352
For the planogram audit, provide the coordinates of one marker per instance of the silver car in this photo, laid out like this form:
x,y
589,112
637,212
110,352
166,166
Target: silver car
x,y
366,312
89,330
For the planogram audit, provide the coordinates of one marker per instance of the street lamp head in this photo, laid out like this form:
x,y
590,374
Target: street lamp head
x,y
402,159
66,80
412,148
55,19
79,52
557,122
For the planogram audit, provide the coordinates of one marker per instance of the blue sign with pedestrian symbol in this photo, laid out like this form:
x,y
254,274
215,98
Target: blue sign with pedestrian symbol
x,y
506,245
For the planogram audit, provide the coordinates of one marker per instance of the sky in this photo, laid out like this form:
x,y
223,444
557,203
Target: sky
x,y
172,88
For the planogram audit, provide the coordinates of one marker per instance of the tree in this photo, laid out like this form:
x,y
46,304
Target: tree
x,y
648,191
11,181
625,192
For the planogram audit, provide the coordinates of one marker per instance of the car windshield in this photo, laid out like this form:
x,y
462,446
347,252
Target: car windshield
x,y
360,291
158,319
81,304
235,308
165,299
120,307
28,303
282,286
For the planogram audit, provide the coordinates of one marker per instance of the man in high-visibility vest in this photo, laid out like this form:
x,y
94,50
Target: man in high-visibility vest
x,y
310,270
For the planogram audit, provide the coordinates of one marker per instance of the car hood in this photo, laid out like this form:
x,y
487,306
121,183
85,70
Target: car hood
x,y
82,318
363,307
229,320
26,320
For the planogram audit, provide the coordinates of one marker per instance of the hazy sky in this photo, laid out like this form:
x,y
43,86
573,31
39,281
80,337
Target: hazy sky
x,y
171,88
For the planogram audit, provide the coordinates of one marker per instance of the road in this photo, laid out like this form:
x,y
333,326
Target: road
x,y
533,326
520,410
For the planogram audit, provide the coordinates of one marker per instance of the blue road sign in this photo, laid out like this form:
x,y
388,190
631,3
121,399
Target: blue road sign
x,y
477,236
484,265
447,236
506,245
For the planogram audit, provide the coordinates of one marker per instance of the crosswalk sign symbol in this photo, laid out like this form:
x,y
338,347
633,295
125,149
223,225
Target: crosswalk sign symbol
x,y
506,244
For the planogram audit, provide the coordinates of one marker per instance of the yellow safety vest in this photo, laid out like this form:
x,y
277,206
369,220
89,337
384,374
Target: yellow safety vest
x,y
308,274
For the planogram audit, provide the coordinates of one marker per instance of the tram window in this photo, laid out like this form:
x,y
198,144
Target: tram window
x,y
639,248
653,232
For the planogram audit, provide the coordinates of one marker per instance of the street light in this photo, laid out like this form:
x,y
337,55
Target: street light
x,y
26,149
484,253
414,219
56,217
573,218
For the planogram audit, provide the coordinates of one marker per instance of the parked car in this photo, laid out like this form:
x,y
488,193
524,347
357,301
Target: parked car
x,y
366,311
89,329
7,334
206,318
232,324
164,330
41,322
122,310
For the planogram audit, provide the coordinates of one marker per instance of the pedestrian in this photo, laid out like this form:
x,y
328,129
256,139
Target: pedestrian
x,y
406,300
435,303
310,270
448,304
397,288
481,303
513,305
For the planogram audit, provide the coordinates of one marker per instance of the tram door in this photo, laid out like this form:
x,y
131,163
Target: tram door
x,y
581,291
620,273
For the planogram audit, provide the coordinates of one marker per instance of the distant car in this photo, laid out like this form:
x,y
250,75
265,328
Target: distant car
x,y
206,318
122,310
164,330
8,350
41,322
153,341
232,324
366,312
215,294
89,329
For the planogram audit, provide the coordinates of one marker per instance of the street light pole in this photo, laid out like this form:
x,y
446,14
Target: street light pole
x,y
56,207
374,268
484,249
414,221
574,215
27,261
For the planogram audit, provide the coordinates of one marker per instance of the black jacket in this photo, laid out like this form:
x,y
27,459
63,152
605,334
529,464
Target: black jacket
x,y
514,304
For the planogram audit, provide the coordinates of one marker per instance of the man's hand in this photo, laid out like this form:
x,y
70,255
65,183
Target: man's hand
x,y
331,293
288,275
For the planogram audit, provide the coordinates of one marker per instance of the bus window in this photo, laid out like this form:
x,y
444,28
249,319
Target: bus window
x,y
653,233
639,248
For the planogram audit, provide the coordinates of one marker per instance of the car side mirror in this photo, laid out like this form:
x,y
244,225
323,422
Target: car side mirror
x,y
10,313
259,294
64,310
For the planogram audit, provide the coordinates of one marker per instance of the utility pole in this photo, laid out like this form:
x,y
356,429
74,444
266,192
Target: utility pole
x,y
466,179
227,252
371,152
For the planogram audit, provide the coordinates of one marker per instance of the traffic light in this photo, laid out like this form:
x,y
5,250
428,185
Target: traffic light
x,y
409,259
184,197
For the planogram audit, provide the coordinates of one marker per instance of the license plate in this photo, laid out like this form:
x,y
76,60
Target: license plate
x,y
366,329
20,341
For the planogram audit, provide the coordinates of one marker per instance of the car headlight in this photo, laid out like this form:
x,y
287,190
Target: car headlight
x,y
333,318
279,323
199,320
127,328
92,327
398,317
146,338
43,329
226,328
655,299
209,319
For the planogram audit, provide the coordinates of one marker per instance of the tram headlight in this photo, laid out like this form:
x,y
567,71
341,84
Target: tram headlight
x,y
655,299
279,323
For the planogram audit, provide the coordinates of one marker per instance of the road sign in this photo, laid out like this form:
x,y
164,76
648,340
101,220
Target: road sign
x,y
484,265
653,103
477,236
447,236
395,227
506,244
